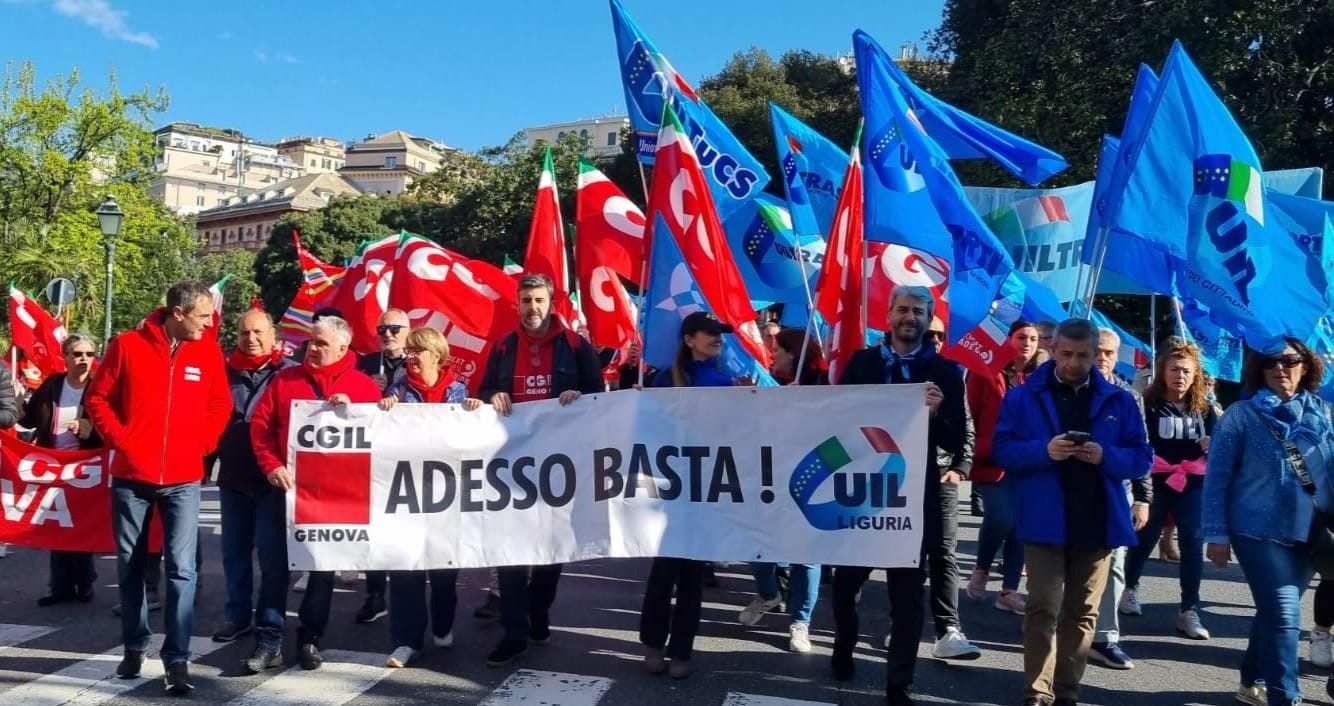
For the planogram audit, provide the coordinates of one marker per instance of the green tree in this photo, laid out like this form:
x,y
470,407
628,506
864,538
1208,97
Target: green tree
x,y
238,266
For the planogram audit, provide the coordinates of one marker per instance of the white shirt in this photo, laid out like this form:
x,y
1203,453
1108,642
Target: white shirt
x,y
67,410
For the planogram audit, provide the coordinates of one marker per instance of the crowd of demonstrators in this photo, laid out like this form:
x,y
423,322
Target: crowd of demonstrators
x,y
160,400
999,494
906,357
328,372
1269,477
55,414
1071,439
428,380
1180,421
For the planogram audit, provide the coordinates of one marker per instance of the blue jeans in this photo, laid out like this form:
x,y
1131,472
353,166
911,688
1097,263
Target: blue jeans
x,y
1277,575
1186,508
805,587
407,605
1000,527
255,526
177,506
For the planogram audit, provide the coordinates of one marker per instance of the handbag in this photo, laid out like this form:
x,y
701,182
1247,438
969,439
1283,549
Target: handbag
x,y
1320,540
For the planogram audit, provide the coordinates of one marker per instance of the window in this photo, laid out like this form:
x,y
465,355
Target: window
x,y
199,200
421,166
312,161
221,201
583,134
611,139
560,135
390,162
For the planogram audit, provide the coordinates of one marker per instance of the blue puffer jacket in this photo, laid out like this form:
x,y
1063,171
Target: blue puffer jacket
x,y
699,373
1029,420
454,394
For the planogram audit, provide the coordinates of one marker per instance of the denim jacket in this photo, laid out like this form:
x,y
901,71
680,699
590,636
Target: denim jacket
x,y
1249,490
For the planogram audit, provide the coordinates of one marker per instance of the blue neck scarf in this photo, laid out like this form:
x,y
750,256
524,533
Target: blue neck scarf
x,y
1302,419
902,363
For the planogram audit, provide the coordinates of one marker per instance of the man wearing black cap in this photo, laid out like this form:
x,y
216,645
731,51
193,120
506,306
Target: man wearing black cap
x,y
543,359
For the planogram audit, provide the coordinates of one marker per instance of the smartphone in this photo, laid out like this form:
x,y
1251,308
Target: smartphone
x,y
1079,437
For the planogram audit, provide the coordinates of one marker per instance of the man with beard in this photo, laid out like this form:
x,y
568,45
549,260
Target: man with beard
x,y
543,359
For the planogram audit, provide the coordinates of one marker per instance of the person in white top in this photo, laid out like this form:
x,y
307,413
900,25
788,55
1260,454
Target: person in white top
x,y
55,414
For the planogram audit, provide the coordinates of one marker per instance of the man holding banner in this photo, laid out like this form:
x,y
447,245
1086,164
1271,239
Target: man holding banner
x,y
905,357
160,400
543,359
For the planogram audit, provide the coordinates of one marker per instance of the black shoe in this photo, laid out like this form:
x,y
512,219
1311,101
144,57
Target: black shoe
x,y
372,610
844,669
490,610
55,598
84,593
975,508
507,651
226,631
539,630
263,658
131,663
897,696
710,575
308,656
178,679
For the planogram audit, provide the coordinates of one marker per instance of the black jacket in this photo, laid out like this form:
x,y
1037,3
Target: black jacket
x,y
571,369
39,414
377,364
9,410
238,469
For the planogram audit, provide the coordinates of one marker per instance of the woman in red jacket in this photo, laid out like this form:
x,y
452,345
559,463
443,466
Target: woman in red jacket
x,y
998,497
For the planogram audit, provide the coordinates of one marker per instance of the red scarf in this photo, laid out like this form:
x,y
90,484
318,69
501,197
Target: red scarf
x,y
250,363
432,394
323,379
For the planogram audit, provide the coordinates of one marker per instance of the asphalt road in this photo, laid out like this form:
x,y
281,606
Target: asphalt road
x,y
66,654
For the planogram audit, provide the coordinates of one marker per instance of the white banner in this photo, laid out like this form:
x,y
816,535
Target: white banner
x,y
821,475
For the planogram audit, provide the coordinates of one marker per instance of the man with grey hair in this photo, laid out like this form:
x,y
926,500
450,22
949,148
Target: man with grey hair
x,y
543,359
327,373
160,400
905,357
1071,440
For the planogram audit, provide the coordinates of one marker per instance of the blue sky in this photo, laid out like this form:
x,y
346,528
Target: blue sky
x,y
465,72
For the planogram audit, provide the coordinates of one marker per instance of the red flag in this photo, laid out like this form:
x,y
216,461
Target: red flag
x,y
319,285
842,277
38,334
610,226
609,313
681,194
889,265
546,244
473,303
364,295
55,499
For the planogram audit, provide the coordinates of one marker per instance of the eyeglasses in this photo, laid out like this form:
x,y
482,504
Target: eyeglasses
x,y
389,328
935,335
1287,362
82,354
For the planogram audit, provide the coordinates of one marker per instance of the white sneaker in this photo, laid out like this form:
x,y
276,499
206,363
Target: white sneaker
x,y
954,645
347,578
1321,652
301,582
4,550
1254,695
1130,603
799,637
752,613
400,657
446,642
1188,624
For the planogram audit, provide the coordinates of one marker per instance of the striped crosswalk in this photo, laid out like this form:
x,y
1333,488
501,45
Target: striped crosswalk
x,y
90,679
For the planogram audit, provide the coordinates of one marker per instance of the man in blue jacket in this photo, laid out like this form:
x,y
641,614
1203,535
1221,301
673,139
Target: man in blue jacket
x,y
1071,439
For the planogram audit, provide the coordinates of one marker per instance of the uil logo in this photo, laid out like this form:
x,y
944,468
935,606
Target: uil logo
x,y
861,474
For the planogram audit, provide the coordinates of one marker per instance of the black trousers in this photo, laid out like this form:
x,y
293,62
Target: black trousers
x,y
376,583
943,567
662,624
526,595
906,612
70,570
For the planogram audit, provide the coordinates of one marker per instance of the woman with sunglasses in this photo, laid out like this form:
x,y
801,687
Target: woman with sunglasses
x,y
1180,421
1270,467
428,381
55,413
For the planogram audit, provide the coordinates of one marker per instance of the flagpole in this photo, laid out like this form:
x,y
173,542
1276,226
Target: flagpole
x,y
866,254
1153,329
806,285
1104,233
643,273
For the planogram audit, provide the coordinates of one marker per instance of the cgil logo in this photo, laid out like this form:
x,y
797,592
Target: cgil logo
x,y
859,497
333,478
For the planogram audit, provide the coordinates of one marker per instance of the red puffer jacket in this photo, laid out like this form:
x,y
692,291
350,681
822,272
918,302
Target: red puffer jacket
x,y
161,411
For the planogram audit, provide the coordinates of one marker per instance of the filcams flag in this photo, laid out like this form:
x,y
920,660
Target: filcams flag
x,y
319,284
609,225
38,334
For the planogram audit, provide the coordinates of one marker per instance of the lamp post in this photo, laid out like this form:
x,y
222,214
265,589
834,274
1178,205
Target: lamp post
x,y
109,217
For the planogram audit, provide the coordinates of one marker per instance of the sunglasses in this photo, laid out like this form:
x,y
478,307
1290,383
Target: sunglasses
x,y
82,354
935,335
1287,362
389,328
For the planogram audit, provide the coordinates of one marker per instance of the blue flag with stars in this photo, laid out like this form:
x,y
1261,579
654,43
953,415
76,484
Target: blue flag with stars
x,y
760,234
812,172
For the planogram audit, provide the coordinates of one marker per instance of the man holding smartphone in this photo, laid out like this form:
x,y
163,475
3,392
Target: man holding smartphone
x,y
1071,439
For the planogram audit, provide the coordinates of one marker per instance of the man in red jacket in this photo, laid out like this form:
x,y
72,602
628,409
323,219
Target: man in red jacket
x,y
327,373
160,399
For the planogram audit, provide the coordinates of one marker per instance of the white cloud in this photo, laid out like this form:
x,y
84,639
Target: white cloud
x,y
260,54
287,58
263,55
100,14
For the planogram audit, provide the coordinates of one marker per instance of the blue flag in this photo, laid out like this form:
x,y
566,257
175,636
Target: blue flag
x,y
760,235
1133,354
650,80
1308,182
1043,229
812,172
1221,353
964,136
672,295
905,163
1193,188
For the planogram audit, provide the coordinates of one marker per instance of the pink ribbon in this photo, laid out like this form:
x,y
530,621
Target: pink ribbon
x,y
1176,473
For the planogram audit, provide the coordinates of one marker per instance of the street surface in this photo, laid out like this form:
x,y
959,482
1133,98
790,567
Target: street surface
x,y
67,654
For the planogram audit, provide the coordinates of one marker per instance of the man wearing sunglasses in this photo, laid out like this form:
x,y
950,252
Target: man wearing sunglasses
x,y
385,368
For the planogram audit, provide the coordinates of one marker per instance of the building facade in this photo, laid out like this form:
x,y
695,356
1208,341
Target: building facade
x,y
388,164
198,167
246,221
603,134
314,154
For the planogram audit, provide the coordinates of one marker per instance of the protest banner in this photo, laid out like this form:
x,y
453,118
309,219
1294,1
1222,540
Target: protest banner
x,y
55,499
801,474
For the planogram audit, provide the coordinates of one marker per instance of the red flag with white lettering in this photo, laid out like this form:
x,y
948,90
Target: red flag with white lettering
x,y
681,194
609,226
842,277
364,294
38,334
55,499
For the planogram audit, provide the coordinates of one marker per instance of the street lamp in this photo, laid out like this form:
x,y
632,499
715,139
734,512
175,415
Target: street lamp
x,y
109,217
